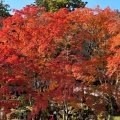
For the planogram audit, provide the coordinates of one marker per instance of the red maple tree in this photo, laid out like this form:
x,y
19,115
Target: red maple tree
x,y
63,56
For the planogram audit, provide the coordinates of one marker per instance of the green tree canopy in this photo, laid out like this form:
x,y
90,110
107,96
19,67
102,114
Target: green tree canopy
x,y
4,10
55,5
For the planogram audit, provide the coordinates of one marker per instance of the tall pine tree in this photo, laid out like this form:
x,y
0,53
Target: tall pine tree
x,y
55,5
4,10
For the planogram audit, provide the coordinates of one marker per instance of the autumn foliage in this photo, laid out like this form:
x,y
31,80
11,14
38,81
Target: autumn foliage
x,y
63,56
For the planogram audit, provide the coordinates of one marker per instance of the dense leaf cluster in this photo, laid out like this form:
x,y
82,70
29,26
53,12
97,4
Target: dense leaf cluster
x,y
55,5
67,58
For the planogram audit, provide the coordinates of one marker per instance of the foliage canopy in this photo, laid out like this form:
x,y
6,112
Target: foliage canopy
x,y
55,5
70,58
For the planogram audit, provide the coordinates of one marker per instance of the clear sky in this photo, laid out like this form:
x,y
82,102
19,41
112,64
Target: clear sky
x,y
113,4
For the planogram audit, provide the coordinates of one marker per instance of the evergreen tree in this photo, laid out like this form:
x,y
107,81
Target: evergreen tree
x,y
55,5
4,10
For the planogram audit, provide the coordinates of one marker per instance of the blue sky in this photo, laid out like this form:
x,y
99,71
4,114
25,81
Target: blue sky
x,y
113,4
19,4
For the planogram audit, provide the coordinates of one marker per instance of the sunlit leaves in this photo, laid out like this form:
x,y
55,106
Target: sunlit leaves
x,y
62,56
